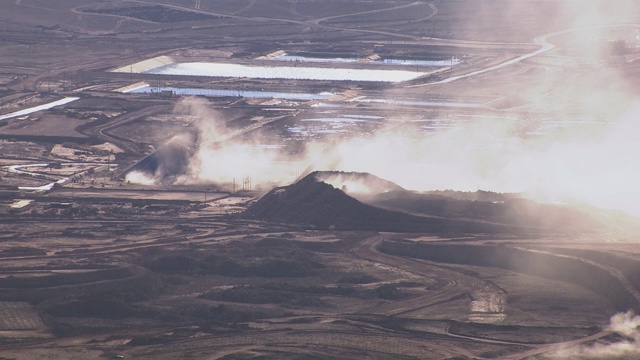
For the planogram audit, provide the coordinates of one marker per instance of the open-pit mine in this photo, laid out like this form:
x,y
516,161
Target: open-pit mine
x,y
302,179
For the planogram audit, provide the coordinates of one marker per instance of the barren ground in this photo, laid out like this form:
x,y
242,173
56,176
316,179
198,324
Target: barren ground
x,y
97,267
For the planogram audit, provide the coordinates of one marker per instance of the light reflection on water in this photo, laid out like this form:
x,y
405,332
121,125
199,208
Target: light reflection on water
x,y
336,120
401,62
234,93
284,72
346,123
286,57
355,124
367,117
326,105
417,103
434,63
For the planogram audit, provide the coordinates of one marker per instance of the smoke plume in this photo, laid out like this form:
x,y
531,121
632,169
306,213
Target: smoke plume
x,y
218,155
624,324
571,140
593,164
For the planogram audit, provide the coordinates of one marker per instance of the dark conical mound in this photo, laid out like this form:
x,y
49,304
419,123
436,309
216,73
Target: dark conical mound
x,y
314,202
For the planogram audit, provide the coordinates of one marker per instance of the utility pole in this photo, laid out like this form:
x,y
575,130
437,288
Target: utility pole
x,y
246,182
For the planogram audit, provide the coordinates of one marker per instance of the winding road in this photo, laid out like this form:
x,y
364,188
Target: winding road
x,y
456,285
542,41
101,131
452,285
17,169
327,18
545,46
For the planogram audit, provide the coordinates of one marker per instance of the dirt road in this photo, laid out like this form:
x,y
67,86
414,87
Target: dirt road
x,y
101,131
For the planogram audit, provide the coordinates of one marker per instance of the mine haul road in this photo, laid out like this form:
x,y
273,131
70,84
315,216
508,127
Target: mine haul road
x,y
101,131
457,284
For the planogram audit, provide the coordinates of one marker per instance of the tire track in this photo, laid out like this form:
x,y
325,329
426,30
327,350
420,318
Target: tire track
x,y
434,12
249,6
118,24
76,10
317,21
292,8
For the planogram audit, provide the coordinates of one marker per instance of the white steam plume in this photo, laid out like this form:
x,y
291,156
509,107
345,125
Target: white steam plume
x,y
223,157
595,165
586,163
625,324
141,178
220,155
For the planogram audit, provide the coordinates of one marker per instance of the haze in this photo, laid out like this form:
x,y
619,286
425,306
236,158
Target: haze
x,y
339,179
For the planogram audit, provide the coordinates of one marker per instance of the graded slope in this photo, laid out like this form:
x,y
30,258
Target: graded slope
x,y
495,208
